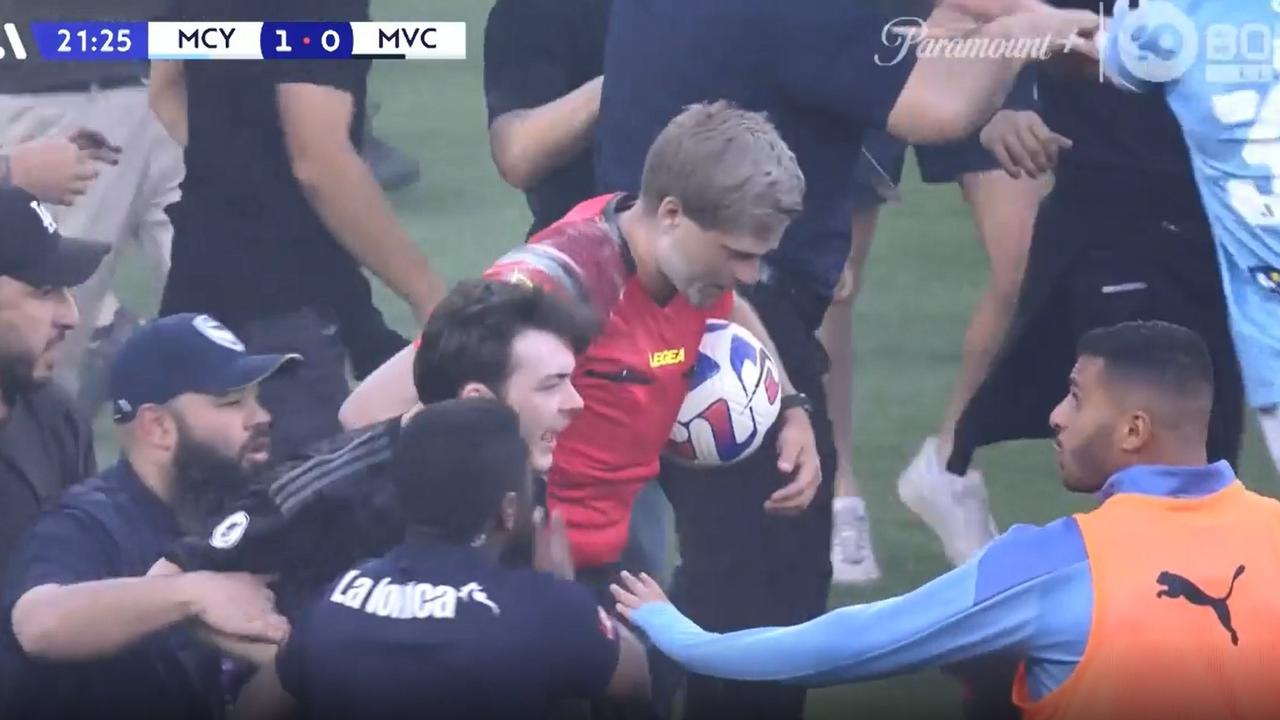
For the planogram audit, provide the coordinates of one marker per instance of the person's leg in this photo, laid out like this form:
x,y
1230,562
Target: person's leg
x,y
853,558
741,567
303,400
876,179
1004,211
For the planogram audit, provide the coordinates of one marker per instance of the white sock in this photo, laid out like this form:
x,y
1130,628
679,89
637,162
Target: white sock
x,y
849,505
1269,419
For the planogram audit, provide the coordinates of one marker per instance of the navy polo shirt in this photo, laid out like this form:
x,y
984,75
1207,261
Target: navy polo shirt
x,y
819,68
110,526
442,630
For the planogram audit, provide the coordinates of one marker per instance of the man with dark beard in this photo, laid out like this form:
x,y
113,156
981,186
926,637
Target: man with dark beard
x,y
44,447
94,633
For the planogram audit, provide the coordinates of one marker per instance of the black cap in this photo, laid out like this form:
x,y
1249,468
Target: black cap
x,y
455,461
180,354
34,252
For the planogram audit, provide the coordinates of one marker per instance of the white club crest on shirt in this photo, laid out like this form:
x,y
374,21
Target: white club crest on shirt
x,y
217,332
230,530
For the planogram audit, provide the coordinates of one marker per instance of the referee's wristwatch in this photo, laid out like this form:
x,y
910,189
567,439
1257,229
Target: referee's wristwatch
x,y
796,400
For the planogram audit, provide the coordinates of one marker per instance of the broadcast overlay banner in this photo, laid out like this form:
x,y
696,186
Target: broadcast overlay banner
x,y
251,40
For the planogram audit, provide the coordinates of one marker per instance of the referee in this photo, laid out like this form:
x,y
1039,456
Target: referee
x,y
825,75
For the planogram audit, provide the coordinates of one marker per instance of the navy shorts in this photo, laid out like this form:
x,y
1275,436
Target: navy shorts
x,y
879,170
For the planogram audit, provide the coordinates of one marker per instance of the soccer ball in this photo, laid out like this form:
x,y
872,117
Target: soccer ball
x,y
734,398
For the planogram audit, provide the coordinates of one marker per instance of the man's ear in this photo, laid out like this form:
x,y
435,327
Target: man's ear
x,y
1136,431
475,390
154,426
510,505
670,211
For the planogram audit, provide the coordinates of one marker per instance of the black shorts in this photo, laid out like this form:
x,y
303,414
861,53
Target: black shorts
x,y
879,169
1098,259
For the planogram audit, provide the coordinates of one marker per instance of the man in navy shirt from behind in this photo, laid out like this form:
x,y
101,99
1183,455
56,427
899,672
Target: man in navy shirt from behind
x,y
94,632
439,625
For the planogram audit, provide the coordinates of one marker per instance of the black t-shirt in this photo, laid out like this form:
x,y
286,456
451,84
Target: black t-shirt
x,y
110,526
1125,145
810,64
536,51
440,630
247,243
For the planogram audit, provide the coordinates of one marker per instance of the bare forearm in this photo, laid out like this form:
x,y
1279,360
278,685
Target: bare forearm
x,y
745,315
386,393
263,698
350,203
90,620
948,98
528,144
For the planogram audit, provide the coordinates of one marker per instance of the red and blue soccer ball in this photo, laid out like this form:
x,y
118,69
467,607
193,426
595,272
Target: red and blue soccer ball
x,y
734,398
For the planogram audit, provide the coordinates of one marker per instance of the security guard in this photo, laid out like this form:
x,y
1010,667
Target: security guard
x,y
95,632
438,625
1158,604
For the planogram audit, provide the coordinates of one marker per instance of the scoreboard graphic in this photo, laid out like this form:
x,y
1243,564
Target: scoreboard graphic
x,y
86,41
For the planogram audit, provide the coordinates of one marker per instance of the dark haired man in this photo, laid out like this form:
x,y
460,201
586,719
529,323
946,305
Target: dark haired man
x,y
338,505
1156,604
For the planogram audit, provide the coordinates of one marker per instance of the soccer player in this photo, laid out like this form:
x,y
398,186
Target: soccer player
x,y
718,190
438,624
1228,114
1156,604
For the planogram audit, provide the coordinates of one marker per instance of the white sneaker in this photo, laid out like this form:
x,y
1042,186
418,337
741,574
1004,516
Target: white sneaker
x,y
954,507
853,560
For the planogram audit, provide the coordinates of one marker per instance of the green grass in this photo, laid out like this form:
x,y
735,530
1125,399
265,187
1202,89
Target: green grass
x,y
925,271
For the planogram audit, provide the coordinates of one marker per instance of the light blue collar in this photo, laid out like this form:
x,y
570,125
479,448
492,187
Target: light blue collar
x,y
1172,481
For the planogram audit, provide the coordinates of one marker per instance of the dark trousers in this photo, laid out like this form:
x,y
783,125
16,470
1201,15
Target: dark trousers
x,y
303,400
741,567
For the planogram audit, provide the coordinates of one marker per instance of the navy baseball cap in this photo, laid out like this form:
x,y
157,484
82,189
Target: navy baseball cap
x,y
187,353
34,252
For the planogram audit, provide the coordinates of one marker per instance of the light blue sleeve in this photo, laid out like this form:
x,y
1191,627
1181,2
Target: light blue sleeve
x,y
994,602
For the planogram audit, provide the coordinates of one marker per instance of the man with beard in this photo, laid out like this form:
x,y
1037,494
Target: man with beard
x,y
438,623
317,516
1159,603
44,447
94,633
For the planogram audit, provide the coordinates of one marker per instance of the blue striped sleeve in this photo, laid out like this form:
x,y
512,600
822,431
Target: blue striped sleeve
x,y
993,603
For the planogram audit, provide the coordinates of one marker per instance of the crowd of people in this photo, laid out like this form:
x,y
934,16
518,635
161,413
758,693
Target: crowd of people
x,y
483,525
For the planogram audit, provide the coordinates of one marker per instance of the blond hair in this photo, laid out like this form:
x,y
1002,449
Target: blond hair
x,y
728,168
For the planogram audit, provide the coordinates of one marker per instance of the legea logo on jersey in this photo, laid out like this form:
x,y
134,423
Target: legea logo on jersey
x,y
1156,42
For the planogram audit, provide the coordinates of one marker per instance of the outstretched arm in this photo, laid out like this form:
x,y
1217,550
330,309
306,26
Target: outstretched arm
x,y
996,602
